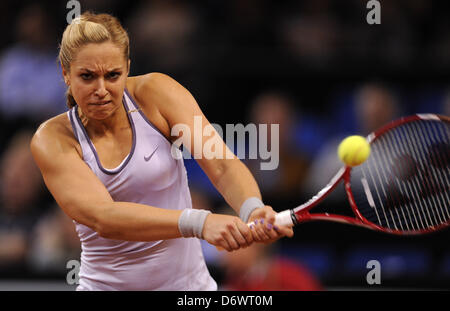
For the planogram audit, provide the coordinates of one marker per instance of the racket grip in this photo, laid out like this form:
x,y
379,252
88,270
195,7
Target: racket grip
x,y
284,218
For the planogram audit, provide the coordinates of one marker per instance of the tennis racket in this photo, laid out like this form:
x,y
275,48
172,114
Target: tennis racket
x,y
402,188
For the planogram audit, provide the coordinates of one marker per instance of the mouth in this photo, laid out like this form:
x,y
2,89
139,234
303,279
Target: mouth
x,y
101,103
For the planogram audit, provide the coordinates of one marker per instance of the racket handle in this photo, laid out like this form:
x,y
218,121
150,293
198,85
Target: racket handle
x,y
284,218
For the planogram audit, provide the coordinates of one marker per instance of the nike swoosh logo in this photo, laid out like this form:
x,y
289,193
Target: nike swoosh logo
x,y
148,158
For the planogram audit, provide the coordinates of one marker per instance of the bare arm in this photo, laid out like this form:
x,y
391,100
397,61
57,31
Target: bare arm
x,y
85,199
230,176
227,173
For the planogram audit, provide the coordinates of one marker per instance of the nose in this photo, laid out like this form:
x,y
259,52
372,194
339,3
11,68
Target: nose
x,y
100,90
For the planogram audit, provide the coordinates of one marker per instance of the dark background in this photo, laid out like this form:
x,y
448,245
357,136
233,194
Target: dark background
x,y
308,65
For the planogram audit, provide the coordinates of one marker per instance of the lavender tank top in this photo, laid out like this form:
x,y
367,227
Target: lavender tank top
x,y
148,175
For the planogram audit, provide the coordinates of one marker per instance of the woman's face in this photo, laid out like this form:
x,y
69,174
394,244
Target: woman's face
x,y
97,79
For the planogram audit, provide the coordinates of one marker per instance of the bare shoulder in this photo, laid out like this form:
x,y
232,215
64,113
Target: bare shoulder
x,y
54,136
158,89
164,101
156,81
160,97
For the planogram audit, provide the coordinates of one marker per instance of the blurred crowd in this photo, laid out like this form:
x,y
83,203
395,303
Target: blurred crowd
x,y
314,67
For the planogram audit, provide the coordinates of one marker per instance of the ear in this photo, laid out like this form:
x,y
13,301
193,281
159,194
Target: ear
x,y
129,62
66,76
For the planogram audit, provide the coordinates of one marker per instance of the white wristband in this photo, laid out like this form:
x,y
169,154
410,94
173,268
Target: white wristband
x,y
248,207
191,222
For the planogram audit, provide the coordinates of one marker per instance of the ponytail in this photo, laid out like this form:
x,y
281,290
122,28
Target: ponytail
x,y
70,101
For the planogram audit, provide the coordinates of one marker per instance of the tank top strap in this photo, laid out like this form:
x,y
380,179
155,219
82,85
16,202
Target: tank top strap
x,y
79,134
129,107
140,125
138,115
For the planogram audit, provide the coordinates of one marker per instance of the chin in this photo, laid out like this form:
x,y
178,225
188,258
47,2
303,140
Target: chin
x,y
101,112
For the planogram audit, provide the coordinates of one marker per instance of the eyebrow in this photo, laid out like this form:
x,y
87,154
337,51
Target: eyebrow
x,y
91,71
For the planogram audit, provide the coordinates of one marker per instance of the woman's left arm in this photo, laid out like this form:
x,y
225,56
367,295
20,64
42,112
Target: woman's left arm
x,y
189,126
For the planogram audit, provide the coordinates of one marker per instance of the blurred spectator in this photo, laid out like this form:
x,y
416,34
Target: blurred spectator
x,y
162,33
446,104
169,36
103,6
309,32
374,105
54,243
255,268
30,80
20,186
439,45
279,186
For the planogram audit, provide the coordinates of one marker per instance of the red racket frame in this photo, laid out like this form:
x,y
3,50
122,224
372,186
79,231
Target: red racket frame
x,y
301,213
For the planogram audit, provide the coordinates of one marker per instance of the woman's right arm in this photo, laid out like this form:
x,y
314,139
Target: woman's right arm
x,y
84,198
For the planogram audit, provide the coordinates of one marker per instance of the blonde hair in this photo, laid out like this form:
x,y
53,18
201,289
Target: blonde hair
x,y
90,28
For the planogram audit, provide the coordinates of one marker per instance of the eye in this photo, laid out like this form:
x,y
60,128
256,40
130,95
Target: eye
x,y
85,76
113,75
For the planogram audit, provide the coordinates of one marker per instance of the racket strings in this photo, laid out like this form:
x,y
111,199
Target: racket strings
x,y
406,177
438,177
421,178
427,189
437,188
397,215
385,187
403,145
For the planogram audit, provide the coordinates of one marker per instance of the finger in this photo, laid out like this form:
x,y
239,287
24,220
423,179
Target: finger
x,y
233,245
284,231
238,237
223,245
261,230
271,232
246,233
270,216
269,221
255,234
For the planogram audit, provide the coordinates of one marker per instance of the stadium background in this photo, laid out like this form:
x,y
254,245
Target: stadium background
x,y
314,66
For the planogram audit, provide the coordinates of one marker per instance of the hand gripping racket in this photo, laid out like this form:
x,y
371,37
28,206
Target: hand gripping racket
x,y
402,188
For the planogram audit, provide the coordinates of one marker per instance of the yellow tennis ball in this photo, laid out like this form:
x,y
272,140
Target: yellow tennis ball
x,y
354,150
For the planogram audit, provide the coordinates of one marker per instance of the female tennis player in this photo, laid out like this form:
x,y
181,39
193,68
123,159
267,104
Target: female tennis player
x,y
108,164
